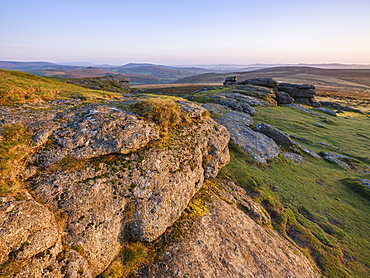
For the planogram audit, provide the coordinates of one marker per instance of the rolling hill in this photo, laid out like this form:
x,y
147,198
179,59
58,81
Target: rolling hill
x,y
346,79
137,73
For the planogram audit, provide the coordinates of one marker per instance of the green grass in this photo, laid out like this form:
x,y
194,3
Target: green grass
x,y
131,257
313,203
19,87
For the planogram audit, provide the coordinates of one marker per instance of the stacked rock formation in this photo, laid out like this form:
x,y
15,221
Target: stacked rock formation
x,y
231,80
301,93
285,93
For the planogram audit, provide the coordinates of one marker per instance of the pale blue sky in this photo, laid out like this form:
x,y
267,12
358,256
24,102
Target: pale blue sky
x,y
185,32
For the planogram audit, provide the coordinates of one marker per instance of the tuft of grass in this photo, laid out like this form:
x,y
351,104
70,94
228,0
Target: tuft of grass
x,y
19,87
15,145
165,113
131,257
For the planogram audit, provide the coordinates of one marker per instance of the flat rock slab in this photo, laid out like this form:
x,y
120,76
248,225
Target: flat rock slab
x,y
337,158
251,100
95,131
365,182
274,133
259,146
229,116
327,111
300,107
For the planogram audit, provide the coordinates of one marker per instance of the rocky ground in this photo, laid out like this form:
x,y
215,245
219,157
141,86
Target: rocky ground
x,y
99,176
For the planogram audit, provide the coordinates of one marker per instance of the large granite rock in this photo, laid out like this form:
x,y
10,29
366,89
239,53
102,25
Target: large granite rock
x,y
227,243
283,98
31,243
104,172
259,146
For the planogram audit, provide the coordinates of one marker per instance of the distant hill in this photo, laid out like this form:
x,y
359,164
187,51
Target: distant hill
x,y
22,65
348,79
137,73
29,66
324,75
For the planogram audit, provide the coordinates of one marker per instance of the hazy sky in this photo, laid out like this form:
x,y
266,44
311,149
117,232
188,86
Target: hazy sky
x,y
186,32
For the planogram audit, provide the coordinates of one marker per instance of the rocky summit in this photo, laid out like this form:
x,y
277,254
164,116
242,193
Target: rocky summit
x,y
136,186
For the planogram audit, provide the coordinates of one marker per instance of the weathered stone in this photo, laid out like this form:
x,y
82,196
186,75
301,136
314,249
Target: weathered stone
x,y
259,146
296,90
237,105
95,131
157,205
300,107
318,124
327,111
138,194
283,98
274,133
228,116
339,107
110,188
337,158
244,99
191,110
237,195
226,243
308,151
27,228
264,82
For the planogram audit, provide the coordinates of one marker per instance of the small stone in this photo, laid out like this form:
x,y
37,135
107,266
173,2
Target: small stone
x,y
293,156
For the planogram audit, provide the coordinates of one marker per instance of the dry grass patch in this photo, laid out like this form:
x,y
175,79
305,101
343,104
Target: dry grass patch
x,y
15,145
165,113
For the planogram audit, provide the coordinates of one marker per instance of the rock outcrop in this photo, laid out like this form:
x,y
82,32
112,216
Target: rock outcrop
x,y
103,175
301,93
231,80
104,171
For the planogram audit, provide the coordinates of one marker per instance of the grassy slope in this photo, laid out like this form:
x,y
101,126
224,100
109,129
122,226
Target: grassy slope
x,y
19,87
309,202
